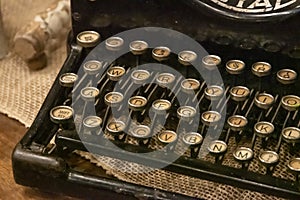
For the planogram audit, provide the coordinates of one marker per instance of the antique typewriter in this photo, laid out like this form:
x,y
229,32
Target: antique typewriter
x,y
207,89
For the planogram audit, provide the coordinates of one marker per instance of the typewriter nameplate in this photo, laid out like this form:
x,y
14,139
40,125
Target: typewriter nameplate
x,y
256,6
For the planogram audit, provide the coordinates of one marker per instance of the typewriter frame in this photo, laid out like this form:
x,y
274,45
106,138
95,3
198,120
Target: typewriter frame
x,y
33,167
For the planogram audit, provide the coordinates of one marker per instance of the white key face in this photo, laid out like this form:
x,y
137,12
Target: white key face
x,y
211,60
92,66
291,134
263,129
92,121
89,93
138,46
115,127
161,53
115,73
165,79
192,138
237,122
190,85
88,38
217,147
137,102
114,43
113,98
264,100
235,66
210,118
161,105
186,112
140,76
290,102
239,93
213,92
286,76
269,157
68,79
243,154
167,136
61,113
261,69
187,57
141,131
294,165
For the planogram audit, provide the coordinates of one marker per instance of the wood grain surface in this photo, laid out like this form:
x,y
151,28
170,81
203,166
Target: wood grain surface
x,y
11,132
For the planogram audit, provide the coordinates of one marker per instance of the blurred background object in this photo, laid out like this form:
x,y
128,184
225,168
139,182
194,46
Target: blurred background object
x,y
48,30
3,41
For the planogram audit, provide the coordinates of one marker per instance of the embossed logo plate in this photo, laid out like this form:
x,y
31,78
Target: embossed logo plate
x,y
257,6
253,9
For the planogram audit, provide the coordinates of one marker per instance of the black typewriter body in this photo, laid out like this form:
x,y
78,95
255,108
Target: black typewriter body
x,y
253,47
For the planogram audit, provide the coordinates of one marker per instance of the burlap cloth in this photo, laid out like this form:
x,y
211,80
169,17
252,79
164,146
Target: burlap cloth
x,y
23,91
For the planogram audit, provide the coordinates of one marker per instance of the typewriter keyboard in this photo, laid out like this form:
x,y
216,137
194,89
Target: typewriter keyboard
x,y
242,130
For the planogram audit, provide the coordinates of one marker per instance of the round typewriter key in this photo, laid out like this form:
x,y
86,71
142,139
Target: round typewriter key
x,y
190,85
237,122
161,53
113,99
68,79
92,67
92,123
167,137
165,80
141,132
269,158
61,114
235,67
138,47
213,92
217,147
116,129
286,76
187,57
89,93
239,93
264,100
263,129
114,43
243,154
211,61
88,39
294,165
210,118
261,69
186,113
291,134
115,73
290,102
192,139
140,76
137,103
160,106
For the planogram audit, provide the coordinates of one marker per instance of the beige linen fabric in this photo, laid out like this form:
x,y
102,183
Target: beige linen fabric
x,y
23,91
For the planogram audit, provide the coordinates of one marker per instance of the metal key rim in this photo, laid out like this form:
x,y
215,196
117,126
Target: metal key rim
x,y
263,161
65,83
59,120
289,107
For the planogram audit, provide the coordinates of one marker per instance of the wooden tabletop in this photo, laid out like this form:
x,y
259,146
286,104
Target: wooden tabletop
x,y
11,132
